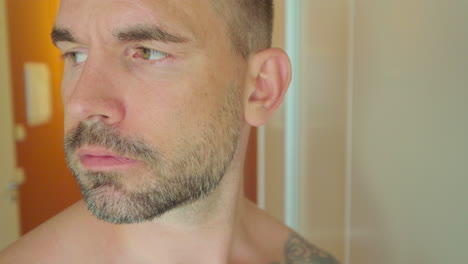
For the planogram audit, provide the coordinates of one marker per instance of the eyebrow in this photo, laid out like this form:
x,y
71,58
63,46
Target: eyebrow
x,y
148,32
59,34
132,34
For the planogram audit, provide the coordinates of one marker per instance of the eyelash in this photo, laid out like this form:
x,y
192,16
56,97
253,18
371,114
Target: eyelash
x,y
69,56
165,56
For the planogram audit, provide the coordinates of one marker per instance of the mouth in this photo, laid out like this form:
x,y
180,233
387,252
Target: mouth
x,y
100,159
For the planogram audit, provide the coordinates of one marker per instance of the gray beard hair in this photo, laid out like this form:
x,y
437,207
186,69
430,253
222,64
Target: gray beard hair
x,y
197,169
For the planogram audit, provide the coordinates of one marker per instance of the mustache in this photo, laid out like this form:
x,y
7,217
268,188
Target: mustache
x,y
99,134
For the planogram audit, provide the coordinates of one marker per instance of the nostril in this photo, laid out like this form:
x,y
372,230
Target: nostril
x,y
95,96
110,112
106,109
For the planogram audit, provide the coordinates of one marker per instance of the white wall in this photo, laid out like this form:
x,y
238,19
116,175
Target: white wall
x,y
321,78
409,173
383,135
322,129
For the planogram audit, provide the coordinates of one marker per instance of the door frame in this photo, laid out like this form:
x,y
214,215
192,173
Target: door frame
x,y
9,222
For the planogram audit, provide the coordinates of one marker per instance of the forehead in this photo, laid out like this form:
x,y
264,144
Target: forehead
x,y
193,18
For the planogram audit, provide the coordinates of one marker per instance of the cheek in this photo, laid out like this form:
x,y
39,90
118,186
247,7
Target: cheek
x,y
66,91
182,97
69,81
155,115
168,115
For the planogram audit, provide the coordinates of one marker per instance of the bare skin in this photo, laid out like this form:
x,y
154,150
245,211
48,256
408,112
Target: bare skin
x,y
166,90
76,236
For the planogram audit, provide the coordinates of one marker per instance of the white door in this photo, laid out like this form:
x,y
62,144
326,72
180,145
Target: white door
x,y
408,179
9,220
383,130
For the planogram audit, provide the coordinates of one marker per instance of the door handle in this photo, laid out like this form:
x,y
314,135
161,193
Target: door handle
x,y
13,186
16,181
18,177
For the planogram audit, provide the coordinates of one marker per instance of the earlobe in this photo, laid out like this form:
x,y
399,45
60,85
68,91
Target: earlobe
x,y
270,75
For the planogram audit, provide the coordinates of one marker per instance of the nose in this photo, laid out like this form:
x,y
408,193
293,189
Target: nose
x,y
95,97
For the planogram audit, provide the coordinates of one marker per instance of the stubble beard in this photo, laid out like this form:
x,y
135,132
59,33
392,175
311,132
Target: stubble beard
x,y
195,170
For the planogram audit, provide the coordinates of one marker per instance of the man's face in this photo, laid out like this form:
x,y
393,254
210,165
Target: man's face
x,y
152,96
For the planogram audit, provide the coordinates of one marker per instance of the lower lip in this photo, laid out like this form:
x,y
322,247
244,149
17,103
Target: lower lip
x,y
105,162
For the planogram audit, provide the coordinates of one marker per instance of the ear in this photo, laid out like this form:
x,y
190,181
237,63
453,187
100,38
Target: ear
x,y
268,79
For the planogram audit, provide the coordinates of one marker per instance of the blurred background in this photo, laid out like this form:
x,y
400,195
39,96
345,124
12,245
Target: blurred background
x,y
368,157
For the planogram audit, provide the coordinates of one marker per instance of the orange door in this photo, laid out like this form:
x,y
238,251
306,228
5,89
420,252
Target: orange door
x,y
49,187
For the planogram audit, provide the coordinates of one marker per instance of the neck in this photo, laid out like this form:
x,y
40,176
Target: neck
x,y
208,225
213,224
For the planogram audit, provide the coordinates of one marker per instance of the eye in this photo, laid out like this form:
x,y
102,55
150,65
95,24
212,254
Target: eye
x,y
150,54
77,57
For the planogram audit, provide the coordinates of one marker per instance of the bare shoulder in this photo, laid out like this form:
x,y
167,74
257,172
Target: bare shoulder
x,y
299,251
52,241
281,245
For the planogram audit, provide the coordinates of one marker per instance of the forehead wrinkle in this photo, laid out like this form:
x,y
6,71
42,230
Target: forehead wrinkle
x,y
146,16
155,17
197,21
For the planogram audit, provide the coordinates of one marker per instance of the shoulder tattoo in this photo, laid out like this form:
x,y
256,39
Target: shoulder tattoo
x,y
298,251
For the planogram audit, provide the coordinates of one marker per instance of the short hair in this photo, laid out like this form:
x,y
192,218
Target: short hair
x,y
249,24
